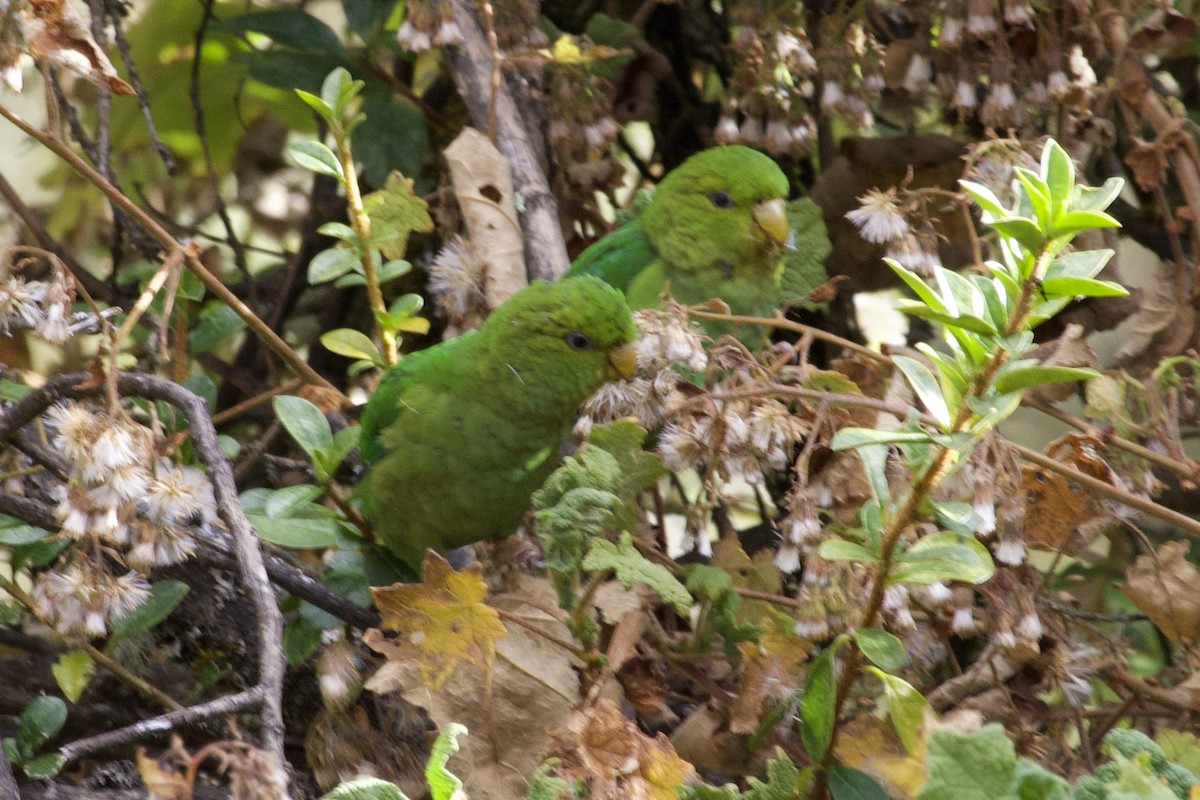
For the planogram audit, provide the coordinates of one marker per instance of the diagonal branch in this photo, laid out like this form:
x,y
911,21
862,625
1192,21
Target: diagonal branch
x,y
171,244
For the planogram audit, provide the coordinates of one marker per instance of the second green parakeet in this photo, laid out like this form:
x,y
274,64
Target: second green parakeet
x,y
458,436
716,227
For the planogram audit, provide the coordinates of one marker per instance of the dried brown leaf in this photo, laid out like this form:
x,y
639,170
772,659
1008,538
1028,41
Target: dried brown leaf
x,y
530,689
1058,512
644,682
55,33
616,759
483,185
162,781
1164,326
746,711
622,644
614,601
1163,587
1148,163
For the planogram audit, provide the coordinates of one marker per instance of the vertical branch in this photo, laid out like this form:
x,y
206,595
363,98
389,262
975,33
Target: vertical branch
x,y
362,229
474,65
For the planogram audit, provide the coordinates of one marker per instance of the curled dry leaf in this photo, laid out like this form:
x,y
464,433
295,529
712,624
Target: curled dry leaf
x,y
55,33
1164,326
483,186
618,761
1163,587
1148,163
622,644
162,779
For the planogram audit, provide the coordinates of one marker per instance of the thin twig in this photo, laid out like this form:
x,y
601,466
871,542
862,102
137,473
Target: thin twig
x,y
168,242
1185,469
787,325
135,80
122,672
230,704
115,667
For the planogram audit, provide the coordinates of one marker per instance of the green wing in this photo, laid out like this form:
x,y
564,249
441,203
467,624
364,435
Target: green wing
x,y
618,258
387,403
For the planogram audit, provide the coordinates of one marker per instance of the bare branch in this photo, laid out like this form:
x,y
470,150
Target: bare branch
x,y
232,704
545,248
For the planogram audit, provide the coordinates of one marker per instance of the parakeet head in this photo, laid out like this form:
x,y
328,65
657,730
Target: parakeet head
x,y
564,339
722,208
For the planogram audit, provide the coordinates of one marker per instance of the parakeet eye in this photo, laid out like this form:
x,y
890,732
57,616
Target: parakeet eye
x,y
721,200
578,341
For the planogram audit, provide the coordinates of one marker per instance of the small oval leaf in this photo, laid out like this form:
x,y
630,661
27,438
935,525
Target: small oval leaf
x,y
304,422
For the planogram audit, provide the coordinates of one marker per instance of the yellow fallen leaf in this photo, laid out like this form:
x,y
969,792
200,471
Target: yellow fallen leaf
x,y
442,621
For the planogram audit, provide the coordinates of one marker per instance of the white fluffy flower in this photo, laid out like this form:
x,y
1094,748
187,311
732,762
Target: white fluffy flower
x,y
20,303
410,37
1029,627
680,447
726,131
179,493
878,218
114,448
1011,552
963,622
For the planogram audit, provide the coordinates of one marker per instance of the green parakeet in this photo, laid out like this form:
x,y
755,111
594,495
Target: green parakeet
x,y
716,227
458,436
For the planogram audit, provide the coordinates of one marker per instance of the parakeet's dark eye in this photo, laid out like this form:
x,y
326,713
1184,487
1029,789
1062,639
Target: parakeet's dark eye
x,y
578,341
721,200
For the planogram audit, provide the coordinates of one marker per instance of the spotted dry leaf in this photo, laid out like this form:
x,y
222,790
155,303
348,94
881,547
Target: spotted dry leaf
x,y
55,33
1060,515
442,621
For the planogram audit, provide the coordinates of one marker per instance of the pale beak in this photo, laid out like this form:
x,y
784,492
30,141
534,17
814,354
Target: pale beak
x,y
771,216
622,361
